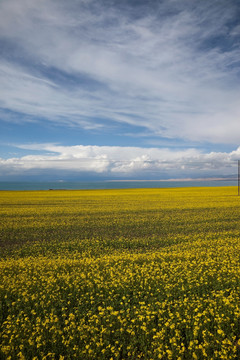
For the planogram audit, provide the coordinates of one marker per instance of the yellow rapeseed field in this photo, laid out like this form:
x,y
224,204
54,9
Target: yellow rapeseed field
x,y
120,274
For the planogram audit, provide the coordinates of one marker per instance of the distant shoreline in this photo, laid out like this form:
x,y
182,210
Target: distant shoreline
x,y
178,180
117,184
121,180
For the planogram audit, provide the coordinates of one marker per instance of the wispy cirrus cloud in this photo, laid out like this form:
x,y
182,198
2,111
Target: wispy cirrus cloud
x,y
170,67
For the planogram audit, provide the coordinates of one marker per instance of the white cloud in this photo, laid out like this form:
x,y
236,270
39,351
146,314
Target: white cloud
x,y
121,161
155,70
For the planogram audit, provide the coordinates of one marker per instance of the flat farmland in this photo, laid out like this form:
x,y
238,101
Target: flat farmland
x,y
120,274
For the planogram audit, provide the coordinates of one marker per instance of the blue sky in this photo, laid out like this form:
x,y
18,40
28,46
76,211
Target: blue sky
x,y
119,89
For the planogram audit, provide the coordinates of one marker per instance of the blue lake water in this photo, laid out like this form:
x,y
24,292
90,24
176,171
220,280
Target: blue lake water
x,y
112,184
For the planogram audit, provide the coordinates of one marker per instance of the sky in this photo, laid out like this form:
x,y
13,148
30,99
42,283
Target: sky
x,y
109,89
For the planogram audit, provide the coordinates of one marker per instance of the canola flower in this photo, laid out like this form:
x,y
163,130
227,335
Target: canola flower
x,y
128,274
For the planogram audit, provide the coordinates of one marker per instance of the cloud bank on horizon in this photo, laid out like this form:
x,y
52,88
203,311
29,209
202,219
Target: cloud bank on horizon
x,y
118,162
132,85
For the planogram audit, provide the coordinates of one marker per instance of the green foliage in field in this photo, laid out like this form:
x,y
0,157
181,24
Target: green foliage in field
x,y
120,274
